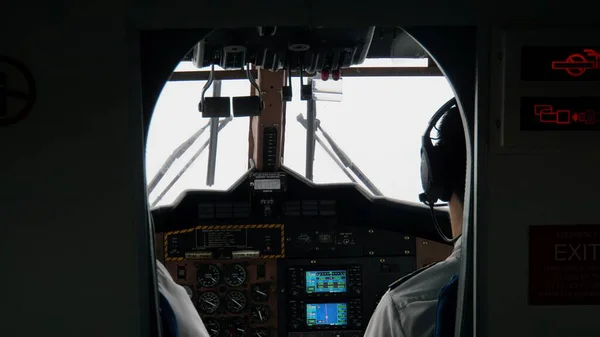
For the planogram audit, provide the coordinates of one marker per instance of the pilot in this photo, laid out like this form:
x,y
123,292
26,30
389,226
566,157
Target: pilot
x,y
178,315
409,307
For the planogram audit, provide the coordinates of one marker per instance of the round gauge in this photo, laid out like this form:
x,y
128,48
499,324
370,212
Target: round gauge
x,y
208,275
260,313
189,291
208,302
237,328
260,332
212,326
234,275
235,301
260,292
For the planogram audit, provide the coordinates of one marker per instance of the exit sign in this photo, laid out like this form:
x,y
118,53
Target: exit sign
x,y
564,265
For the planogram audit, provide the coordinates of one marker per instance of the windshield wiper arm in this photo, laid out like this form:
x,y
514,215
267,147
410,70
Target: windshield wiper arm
x,y
222,124
343,159
178,152
304,123
214,137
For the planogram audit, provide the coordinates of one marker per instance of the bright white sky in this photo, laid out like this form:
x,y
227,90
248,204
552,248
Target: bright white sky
x,y
378,124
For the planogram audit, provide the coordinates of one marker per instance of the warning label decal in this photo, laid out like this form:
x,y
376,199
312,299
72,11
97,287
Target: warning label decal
x,y
268,239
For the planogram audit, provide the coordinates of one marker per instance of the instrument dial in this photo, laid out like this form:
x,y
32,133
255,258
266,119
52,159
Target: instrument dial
x,y
235,301
208,302
260,332
208,275
237,328
188,291
260,292
260,313
212,326
234,275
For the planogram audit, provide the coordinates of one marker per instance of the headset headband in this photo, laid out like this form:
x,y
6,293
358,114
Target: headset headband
x,y
438,115
433,164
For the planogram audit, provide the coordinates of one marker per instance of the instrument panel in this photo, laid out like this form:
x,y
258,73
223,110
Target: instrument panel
x,y
309,268
235,298
244,292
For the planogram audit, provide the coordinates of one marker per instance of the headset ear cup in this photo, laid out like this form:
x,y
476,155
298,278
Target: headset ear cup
x,y
425,169
430,172
444,183
436,171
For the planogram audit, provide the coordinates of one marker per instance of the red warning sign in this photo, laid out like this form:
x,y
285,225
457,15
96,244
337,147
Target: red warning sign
x,y
564,265
577,64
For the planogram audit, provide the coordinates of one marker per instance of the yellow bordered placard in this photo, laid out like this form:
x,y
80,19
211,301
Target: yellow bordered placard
x,y
262,226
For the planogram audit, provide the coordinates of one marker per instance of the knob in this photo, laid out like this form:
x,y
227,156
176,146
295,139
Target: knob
x,y
268,211
189,291
336,75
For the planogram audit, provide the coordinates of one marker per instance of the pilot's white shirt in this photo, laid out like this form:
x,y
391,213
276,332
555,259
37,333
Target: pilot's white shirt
x,y
189,322
410,308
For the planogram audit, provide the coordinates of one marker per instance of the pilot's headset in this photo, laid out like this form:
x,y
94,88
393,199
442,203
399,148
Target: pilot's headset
x,y
434,168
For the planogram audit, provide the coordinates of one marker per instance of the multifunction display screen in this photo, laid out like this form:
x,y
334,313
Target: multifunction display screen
x,y
326,281
326,314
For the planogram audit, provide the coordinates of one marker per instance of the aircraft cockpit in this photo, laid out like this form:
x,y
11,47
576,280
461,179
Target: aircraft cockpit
x,y
283,174
270,163
274,165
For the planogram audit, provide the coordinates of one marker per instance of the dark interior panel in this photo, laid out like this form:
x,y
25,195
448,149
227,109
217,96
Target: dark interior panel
x,y
304,260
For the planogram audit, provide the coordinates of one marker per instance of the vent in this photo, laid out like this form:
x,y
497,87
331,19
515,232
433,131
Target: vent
x,y
224,210
310,208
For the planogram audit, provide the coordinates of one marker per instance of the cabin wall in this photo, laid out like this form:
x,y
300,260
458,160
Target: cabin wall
x,y
71,175
529,192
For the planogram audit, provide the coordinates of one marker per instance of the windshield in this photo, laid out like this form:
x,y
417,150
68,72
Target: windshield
x,y
378,124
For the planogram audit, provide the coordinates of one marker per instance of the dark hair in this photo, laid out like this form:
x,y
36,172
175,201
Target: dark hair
x,y
451,140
